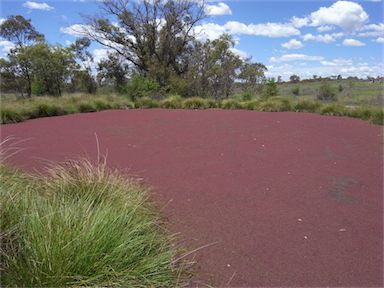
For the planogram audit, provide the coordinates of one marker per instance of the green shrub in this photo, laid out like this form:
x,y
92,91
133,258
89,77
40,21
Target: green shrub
x,y
296,91
146,102
340,88
251,105
275,104
360,112
101,105
196,103
37,88
87,107
326,93
140,86
82,225
173,102
46,110
333,109
231,104
246,96
270,89
377,116
9,115
307,106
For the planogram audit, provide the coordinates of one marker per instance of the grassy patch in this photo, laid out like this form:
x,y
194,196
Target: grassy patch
x,y
82,225
172,102
196,103
146,102
231,104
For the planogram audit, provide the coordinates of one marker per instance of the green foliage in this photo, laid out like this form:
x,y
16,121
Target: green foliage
x,y
340,88
87,107
251,105
11,115
146,102
326,93
296,91
275,104
47,110
377,116
173,102
307,106
37,88
231,104
270,89
140,86
196,103
82,225
333,109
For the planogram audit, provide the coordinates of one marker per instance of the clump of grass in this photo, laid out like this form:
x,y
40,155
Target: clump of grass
x,y
11,115
275,104
307,106
231,104
333,109
87,107
47,110
172,102
251,105
146,102
101,104
82,225
195,103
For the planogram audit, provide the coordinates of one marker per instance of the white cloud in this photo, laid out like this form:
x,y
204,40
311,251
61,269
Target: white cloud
x,y
298,22
37,5
293,44
325,28
345,14
5,47
273,30
217,10
325,38
380,40
2,20
68,43
213,31
337,62
242,54
209,31
76,30
372,30
295,57
353,42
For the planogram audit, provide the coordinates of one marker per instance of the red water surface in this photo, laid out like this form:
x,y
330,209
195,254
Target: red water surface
x,y
285,199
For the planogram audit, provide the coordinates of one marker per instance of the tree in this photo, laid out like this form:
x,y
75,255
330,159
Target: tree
x,y
253,75
51,66
294,78
153,35
84,77
114,69
20,31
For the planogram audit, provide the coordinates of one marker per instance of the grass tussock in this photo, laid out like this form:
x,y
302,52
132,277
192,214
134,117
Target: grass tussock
x,y
13,111
82,225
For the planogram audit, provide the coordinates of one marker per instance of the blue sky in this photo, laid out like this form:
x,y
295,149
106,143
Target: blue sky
x,y
290,37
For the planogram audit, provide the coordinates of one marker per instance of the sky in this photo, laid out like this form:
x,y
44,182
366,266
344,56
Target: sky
x,y
300,37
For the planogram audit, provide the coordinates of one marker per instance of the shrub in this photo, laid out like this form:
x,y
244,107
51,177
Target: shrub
x,y
251,105
296,90
270,88
326,93
246,96
9,115
140,86
340,88
101,105
333,109
230,104
173,102
87,107
146,102
377,116
46,110
275,104
81,225
360,112
307,106
196,103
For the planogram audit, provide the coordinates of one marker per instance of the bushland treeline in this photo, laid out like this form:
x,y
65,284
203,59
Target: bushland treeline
x,y
153,50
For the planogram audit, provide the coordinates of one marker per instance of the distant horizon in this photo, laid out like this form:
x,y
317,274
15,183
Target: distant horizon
x,y
305,38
